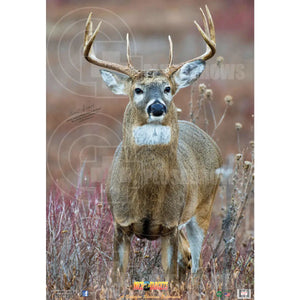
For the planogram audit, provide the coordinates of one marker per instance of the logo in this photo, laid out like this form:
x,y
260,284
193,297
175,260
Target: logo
x,y
85,293
150,285
220,293
244,294
146,285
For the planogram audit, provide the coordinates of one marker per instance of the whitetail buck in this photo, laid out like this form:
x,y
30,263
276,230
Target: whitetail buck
x,y
163,176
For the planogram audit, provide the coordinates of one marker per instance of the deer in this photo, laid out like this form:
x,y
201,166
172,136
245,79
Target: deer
x,y
163,180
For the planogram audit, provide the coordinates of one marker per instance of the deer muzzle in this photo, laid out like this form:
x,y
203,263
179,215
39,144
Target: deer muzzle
x,y
156,109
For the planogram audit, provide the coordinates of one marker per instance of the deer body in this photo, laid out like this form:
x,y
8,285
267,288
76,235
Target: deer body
x,y
155,187
163,176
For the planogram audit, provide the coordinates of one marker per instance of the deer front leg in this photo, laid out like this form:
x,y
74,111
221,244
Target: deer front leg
x,y
169,245
121,254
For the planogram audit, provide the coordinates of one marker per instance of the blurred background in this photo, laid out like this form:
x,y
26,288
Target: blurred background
x,y
84,119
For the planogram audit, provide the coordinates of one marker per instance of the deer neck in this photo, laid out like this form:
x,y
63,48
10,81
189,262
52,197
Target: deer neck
x,y
150,144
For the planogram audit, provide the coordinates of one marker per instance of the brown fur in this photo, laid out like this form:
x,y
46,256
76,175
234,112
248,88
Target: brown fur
x,y
154,188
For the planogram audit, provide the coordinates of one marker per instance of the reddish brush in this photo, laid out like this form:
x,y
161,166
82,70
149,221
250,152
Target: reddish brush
x,y
80,239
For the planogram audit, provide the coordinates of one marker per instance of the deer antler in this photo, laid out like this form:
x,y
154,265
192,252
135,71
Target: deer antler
x,y
209,37
90,56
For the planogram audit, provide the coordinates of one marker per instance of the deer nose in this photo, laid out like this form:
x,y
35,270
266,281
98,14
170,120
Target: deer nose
x,y
157,109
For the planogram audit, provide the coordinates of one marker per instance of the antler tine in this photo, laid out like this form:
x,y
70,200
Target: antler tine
x,y
210,31
88,30
211,25
206,29
171,52
208,36
89,39
128,52
90,56
210,45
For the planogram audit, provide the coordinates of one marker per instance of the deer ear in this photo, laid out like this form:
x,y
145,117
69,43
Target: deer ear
x,y
188,73
115,81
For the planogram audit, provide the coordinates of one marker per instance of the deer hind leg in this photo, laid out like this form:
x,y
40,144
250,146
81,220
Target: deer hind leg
x,y
184,257
121,255
169,252
196,230
195,235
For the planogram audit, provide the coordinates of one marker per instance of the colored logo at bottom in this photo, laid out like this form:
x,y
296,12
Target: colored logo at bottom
x,y
220,293
85,293
244,294
146,285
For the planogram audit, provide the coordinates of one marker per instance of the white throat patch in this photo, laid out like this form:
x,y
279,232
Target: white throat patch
x,y
152,134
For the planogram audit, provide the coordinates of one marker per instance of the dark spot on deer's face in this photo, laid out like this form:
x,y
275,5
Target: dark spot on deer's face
x,y
156,109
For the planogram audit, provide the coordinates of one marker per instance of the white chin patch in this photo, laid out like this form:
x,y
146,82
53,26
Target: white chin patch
x,y
152,134
153,119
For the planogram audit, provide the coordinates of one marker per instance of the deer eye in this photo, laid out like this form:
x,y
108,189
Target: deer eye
x,y
138,91
167,89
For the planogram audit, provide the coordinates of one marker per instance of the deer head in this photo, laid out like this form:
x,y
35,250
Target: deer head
x,y
151,92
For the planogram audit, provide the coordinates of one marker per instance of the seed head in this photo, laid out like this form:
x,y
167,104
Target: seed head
x,y
220,60
202,88
238,156
238,126
228,100
247,164
251,144
209,94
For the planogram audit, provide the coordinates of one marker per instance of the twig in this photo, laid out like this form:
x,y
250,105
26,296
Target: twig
x,y
220,121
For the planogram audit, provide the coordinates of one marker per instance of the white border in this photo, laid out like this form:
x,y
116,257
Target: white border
x,y
23,150
277,115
